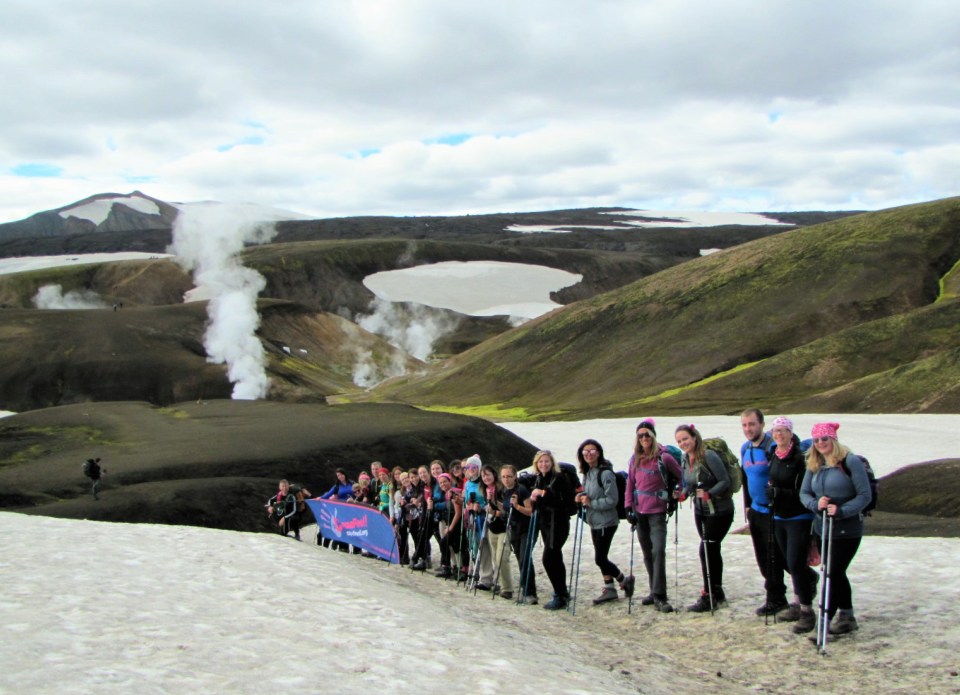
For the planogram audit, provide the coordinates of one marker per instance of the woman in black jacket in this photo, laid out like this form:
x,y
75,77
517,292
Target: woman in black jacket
x,y
552,495
792,522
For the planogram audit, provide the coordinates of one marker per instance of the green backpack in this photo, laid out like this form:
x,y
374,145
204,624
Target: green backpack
x,y
730,460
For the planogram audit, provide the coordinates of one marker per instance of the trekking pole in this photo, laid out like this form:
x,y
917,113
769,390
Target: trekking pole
x,y
421,539
676,551
527,559
573,556
464,520
503,547
477,568
706,559
826,601
633,537
579,550
769,577
821,603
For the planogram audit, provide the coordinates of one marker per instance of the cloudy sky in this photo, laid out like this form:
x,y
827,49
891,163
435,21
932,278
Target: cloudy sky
x,y
422,106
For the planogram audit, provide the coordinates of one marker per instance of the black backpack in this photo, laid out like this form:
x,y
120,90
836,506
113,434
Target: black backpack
x,y
569,471
621,477
871,479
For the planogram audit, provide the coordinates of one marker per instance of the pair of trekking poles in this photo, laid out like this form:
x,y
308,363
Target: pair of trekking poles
x,y
826,562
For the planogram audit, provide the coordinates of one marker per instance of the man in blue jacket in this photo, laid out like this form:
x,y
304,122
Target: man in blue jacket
x,y
755,458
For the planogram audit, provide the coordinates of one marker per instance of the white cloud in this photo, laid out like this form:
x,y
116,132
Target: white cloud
x,y
772,107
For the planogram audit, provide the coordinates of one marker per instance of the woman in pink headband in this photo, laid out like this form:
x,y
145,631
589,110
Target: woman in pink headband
x,y
836,483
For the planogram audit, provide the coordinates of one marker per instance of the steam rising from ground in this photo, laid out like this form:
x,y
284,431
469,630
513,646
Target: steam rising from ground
x,y
414,328
52,297
208,240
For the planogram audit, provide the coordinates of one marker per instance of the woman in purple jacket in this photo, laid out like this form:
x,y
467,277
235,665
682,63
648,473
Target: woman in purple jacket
x,y
652,475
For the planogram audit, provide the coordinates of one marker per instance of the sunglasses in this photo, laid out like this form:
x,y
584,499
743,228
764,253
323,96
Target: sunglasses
x,y
644,435
821,440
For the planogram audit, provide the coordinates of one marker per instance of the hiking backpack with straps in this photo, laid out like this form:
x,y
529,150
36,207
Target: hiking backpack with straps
x,y
730,461
871,479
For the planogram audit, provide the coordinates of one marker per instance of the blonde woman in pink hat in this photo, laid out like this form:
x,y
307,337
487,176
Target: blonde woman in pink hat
x,y
836,481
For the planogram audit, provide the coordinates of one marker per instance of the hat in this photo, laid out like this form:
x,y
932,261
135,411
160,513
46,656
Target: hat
x,y
384,470
365,475
445,476
783,422
473,461
648,424
825,429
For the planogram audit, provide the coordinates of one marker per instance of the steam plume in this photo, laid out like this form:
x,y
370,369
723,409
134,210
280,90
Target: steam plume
x,y
52,297
207,240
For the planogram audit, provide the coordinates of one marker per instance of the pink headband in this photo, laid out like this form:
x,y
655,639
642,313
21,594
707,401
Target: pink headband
x,y
445,476
825,429
365,475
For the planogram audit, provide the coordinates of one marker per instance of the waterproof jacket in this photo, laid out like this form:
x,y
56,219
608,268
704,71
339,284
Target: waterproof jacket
x,y
646,492
786,478
552,517
851,493
755,461
600,486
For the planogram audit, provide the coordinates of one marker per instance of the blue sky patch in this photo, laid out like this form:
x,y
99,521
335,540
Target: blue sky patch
x,y
249,140
453,139
37,170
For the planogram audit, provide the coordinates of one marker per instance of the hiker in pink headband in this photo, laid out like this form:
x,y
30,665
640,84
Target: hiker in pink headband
x,y
825,429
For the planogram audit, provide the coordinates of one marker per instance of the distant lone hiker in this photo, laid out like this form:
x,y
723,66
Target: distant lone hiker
x,y
91,469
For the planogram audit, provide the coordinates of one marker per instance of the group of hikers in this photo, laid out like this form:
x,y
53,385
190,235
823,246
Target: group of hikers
x,y
802,499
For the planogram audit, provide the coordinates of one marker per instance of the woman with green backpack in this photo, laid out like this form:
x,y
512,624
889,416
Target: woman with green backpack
x,y
705,478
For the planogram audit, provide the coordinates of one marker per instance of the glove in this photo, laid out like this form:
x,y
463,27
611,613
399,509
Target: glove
x,y
632,517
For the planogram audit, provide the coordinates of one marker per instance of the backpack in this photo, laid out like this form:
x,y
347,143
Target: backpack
x,y
621,477
675,452
88,467
570,471
528,480
730,460
669,482
871,479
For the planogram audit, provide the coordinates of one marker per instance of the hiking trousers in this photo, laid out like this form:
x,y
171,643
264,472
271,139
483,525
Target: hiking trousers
x,y
770,558
793,539
712,529
652,537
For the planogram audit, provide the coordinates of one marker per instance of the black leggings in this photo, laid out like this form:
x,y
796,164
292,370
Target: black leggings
x,y
793,539
602,538
712,529
554,534
841,594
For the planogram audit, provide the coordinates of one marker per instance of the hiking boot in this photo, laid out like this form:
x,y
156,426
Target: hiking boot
x,y
703,604
444,572
531,600
608,594
483,587
772,607
662,605
843,624
296,536
791,615
647,600
556,603
419,566
806,622
627,585
506,594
